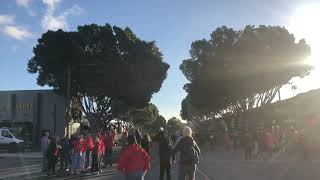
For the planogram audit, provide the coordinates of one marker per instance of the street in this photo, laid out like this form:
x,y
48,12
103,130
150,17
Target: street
x,y
215,165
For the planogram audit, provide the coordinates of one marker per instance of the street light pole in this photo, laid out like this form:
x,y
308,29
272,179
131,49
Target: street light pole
x,y
68,98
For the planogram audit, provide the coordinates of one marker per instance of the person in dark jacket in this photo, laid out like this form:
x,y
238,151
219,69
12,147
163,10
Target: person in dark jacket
x,y
189,155
247,145
165,154
146,143
65,154
53,152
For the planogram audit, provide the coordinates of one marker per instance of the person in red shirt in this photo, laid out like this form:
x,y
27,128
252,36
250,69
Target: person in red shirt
x,y
76,156
134,161
97,155
90,146
109,141
83,145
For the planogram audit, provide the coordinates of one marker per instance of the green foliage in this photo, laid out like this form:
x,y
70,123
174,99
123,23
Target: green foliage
x,y
174,125
112,70
155,125
238,70
144,117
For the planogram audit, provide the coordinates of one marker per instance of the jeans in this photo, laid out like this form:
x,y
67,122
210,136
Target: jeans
x,y
76,158
165,168
136,175
96,163
187,171
108,156
88,159
83,161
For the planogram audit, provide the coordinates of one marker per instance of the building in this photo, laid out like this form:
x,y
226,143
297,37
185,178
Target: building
x,y
293,111
29,112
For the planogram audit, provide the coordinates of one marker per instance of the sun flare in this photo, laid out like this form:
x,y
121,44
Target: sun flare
x,y
304,23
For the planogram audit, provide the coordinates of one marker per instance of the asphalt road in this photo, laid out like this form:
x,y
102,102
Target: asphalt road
x,y
22,166
215,165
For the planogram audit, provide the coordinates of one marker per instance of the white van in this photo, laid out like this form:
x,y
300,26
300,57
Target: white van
x,y
8,141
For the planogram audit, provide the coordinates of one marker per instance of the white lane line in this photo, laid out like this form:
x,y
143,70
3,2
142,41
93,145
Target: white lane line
x,y
203,174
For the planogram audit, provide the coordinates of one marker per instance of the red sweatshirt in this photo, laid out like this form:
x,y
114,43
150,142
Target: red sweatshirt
x,y
109,139
97,150
76,146
133,158
90,143
83,146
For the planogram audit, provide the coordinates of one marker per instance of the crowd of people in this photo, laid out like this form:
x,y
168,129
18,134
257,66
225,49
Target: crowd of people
x,y
79,153
264,144
87,153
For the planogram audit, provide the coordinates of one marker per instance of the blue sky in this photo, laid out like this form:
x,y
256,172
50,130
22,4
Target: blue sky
x,y
173,24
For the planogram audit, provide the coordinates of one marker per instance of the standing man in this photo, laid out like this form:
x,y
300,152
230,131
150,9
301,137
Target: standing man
x,y
165,153
109,141
90,146
189,155
248,145
44,148
83,145
65,154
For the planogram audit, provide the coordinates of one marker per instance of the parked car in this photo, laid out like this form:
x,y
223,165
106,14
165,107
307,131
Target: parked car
x,y
9,142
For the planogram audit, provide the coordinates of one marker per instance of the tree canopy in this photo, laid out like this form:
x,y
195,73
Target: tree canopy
x,y
111,69
235,71
174,125
144,117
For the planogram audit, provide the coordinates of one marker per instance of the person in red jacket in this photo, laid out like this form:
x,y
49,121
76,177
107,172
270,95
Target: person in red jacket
x,y
134,161
109,141
83,153
90,146
76,157
97,155
102,145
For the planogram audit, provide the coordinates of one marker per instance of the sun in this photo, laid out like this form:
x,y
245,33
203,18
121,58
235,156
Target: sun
x,y
305,23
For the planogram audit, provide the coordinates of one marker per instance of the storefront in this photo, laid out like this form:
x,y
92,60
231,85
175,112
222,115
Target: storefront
x,y
29,112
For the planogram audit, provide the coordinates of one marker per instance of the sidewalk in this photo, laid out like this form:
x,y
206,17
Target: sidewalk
x,y
21,155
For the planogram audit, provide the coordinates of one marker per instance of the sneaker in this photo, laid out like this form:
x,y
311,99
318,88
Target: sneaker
x,y
67,170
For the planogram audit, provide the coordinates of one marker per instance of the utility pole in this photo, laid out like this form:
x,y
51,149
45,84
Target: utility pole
x,y
68,98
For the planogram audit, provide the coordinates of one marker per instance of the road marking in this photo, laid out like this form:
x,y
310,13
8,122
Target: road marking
x,y
203,174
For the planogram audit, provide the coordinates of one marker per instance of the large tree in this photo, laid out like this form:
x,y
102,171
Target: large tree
x,y
235,71
143,117
174,125
111,69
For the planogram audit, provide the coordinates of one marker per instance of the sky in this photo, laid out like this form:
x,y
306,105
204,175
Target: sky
x,y
174,25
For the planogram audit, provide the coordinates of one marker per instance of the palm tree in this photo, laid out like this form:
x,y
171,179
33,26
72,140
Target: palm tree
x,y
294,88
